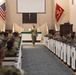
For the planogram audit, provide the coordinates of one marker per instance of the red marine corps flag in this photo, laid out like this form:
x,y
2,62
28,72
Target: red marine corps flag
x,y
59,12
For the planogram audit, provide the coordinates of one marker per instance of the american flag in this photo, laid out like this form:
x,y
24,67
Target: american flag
x,y
3,11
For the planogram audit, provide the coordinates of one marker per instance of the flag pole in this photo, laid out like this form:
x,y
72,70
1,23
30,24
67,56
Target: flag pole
x,y
58,14
56,27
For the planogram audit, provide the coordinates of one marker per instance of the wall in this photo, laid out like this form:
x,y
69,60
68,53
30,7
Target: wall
x,y
2,26
72,16
49,16
69,13
13,16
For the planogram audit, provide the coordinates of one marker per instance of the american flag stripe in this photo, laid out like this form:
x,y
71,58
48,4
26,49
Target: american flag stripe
x,y
3,11
3,17
2,14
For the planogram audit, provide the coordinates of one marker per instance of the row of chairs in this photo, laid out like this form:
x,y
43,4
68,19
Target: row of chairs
x,y
64,51
14,60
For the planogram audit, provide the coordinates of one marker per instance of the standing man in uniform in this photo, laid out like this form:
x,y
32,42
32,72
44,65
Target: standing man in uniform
x,y
33,34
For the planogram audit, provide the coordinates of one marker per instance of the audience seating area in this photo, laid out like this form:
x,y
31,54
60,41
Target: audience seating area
x,y
14,60
65,51
10,50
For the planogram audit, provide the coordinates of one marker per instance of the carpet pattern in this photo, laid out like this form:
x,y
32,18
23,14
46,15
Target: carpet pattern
x,y
38,60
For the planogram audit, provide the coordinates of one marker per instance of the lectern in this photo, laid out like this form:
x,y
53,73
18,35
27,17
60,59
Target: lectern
x,y
66,28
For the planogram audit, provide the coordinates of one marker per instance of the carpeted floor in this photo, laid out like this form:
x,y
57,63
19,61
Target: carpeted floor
x,y
38,60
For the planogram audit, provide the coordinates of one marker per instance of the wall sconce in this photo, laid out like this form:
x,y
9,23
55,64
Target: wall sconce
x,y
72,2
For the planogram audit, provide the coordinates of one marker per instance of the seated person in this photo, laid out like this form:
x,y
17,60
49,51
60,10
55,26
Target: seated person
x,y
17,39
6,36
56,35
8,70
2,51
10,49
2,38
72,38
62,38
